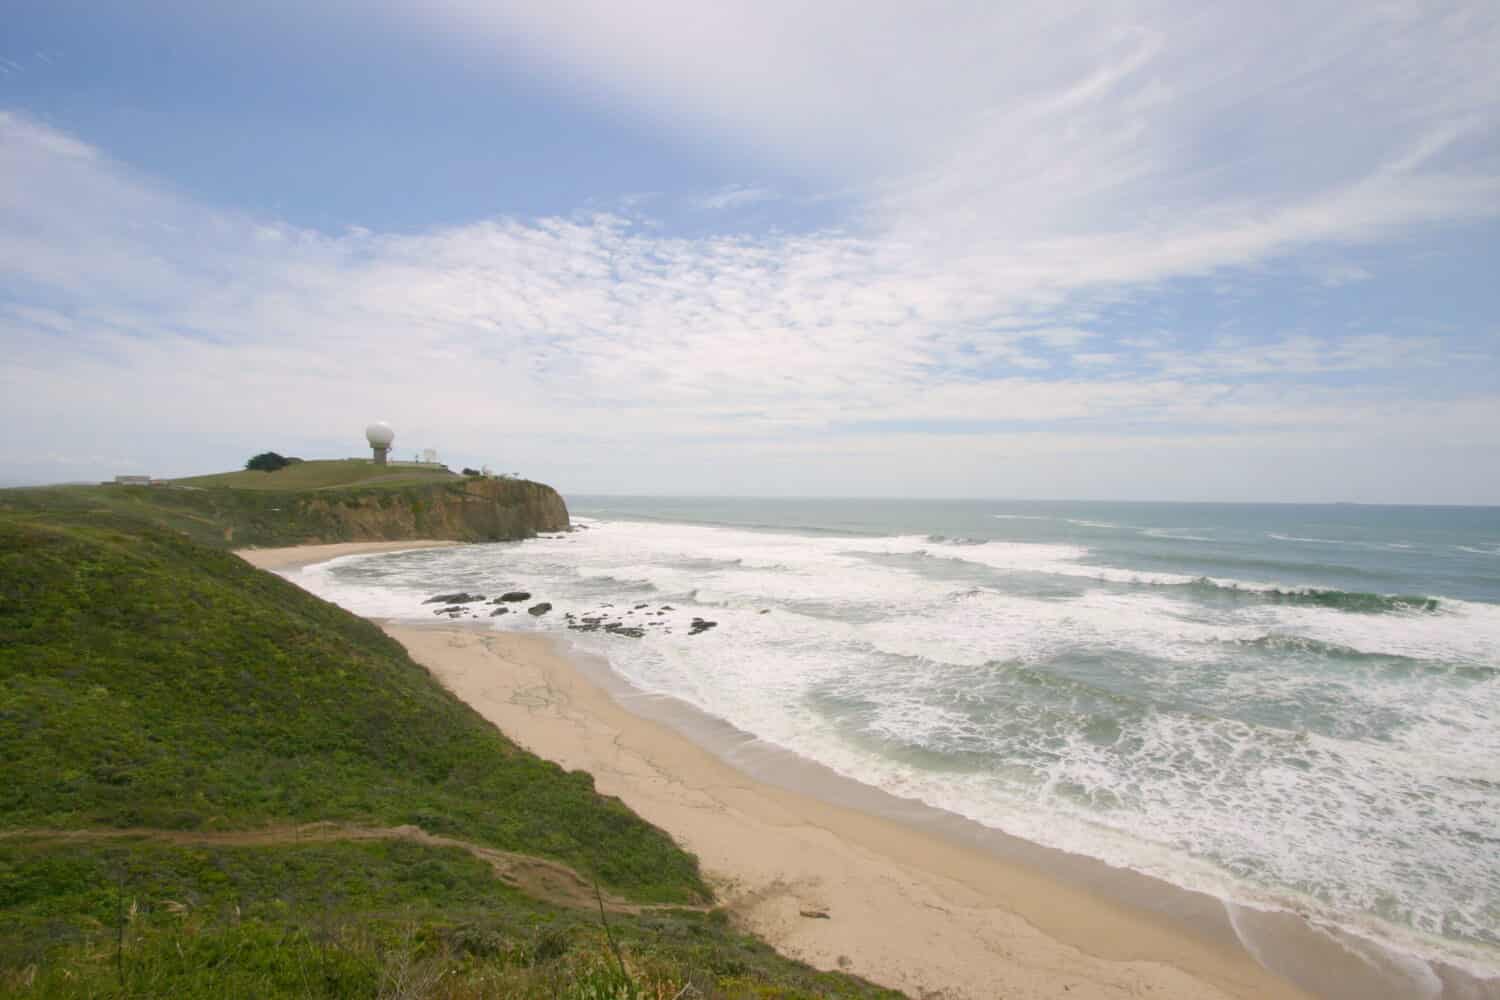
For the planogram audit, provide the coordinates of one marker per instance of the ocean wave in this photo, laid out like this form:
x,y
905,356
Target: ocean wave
x,y
957,540
1328,650
1339,600
1174,536
1304,538
1279,568
1062,560
1356,543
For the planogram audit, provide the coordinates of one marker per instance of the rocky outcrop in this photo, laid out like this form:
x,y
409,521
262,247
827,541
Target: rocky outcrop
x,y
456,598
471,510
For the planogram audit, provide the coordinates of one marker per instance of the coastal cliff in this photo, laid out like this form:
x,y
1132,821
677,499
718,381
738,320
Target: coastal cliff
x,y
454,508
474,510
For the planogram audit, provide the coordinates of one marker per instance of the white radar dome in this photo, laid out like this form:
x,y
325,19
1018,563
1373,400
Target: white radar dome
x,y
379,434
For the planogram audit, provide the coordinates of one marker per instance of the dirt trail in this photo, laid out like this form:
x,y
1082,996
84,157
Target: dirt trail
x,y
550,881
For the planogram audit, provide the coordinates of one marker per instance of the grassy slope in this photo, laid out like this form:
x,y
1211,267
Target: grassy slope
x,y
320,475
258,517
148,681
349,920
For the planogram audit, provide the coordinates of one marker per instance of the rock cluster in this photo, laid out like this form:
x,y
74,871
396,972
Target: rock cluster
x,y
634,623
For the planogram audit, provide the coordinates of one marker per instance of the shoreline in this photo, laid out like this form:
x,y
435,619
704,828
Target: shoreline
x,y
297,556
917,898
904,907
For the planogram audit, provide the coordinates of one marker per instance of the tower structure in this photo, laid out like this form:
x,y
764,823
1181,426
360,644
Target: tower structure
x,y
380,436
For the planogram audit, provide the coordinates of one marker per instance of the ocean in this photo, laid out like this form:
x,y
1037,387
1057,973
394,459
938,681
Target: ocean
x,y
1288,706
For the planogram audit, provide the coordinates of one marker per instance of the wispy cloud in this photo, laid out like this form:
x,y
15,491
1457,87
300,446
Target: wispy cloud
x,y
732,197
1216,136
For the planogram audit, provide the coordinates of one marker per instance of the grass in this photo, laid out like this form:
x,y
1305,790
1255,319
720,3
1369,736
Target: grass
x,y
349,920
322,475
148,681
220,517
172,719
227,517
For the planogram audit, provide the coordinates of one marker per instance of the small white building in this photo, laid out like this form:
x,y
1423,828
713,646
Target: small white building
x,y
132,480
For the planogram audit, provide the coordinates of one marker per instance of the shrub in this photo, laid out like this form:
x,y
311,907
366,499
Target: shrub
x,y
267,461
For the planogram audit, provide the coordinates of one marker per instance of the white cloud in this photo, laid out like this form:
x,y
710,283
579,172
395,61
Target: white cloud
x,y
1201,137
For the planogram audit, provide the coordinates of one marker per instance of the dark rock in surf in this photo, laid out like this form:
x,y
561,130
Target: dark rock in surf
x,y
458,598
539,609
510,597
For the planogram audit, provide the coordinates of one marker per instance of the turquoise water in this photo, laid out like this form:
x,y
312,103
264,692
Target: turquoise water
x,y
1291,706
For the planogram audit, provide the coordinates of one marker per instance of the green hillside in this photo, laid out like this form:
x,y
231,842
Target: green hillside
x,y
215,784
322,475
222,517
222,511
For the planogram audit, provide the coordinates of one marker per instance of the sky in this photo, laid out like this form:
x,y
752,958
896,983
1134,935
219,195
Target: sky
x,y
1141,251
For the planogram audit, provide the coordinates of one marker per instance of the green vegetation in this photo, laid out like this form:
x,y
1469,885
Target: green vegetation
x,y
151,682
216,517
194,719
321,475
255,509
349,920
269,461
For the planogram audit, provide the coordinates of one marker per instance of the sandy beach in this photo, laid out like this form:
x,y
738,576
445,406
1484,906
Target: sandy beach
x,y
305,555
926,906
903,907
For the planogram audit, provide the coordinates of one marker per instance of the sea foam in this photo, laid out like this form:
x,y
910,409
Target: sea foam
x,y
1233,736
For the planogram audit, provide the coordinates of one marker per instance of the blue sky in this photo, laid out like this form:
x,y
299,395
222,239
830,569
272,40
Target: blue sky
x,y
1135,251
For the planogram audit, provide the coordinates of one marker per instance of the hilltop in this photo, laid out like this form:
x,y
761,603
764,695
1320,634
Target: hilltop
x,y
213,783
324,474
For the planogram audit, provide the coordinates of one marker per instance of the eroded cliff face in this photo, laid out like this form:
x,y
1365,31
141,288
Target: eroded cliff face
x,y
471,510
